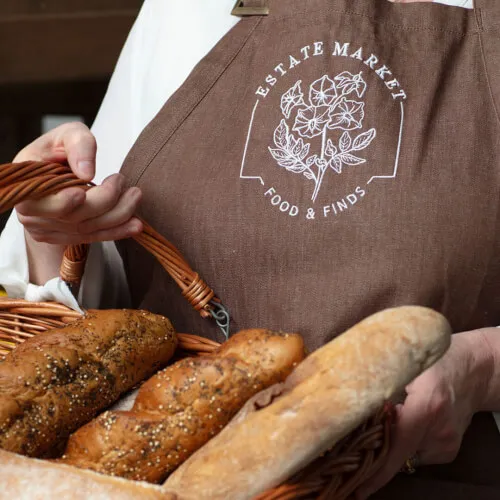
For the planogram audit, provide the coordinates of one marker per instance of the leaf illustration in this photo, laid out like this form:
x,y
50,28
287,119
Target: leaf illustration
x,y
281,135
363,140
336,165
309,175
304,149
330,149
292,165
311,160
297,148
279,154
345,141
291,99
288,163
322,92
351,160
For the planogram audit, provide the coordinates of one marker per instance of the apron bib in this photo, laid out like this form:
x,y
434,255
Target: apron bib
x,y
329,160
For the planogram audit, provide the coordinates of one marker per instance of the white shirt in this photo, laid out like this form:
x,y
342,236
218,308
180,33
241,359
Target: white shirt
x,y
168,39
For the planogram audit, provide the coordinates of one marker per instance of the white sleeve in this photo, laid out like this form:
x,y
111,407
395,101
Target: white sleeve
x,y
467,4
168,39
14,271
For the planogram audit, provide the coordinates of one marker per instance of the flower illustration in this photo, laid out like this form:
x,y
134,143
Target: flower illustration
x,y
322,92
348,115
350,83
291,99
328,109
311,121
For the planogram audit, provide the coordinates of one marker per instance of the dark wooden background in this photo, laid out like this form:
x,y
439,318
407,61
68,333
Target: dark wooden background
x,y
56,57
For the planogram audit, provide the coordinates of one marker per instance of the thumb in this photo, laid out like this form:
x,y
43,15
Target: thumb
x,y
81,148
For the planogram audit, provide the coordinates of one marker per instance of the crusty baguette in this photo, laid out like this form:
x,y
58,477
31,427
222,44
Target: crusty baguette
x,y
57,381
181,408
23,478
332,392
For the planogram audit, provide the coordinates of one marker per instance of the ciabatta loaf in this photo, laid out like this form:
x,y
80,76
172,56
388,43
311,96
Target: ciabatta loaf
x,y
57,381
331,393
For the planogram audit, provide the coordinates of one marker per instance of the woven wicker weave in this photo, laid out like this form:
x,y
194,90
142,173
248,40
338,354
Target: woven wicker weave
x,y
336,475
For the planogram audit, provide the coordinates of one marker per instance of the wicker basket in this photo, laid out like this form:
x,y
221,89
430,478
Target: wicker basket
x,y
335,475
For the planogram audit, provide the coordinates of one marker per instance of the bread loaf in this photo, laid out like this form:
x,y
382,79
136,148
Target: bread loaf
x,y
57,381
24,478
333,391
181,408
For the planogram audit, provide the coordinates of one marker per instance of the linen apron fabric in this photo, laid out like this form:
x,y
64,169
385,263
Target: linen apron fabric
x,y
332,159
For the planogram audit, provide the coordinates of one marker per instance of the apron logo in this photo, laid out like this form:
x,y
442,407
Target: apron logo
x,y
322,132
332,105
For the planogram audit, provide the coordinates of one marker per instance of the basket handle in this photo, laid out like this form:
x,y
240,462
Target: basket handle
x,y
34,180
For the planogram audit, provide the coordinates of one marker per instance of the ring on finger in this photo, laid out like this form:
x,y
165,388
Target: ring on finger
x,y
411,464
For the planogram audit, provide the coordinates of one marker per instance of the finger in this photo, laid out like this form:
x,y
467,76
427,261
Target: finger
x,y
100,199
43,225
128,230
409,431
53,206
121,213
81,148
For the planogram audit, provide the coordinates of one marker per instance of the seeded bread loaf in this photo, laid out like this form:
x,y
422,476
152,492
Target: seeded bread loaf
x,y
23,478
56,382
333,391
180,409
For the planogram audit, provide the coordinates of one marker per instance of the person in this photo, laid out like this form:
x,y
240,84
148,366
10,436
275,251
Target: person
x,y
315,166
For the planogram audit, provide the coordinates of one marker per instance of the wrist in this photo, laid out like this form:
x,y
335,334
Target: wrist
x,y
490,338
475,366
44,260
479,368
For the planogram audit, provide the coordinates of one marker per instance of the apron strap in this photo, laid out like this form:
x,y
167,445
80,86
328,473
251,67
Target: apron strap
x,y
488,13
245,8
488,19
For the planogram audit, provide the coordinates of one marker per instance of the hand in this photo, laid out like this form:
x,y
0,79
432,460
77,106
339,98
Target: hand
x,y
73,216
438,409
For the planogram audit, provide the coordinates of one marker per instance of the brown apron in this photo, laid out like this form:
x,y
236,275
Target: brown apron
x,y
332,159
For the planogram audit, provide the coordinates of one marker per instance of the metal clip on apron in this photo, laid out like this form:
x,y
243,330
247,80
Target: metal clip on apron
x,y
245,8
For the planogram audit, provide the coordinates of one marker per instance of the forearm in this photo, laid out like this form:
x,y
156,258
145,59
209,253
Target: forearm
x,y
44,260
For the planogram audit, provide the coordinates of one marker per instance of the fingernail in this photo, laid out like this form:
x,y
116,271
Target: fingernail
x,y
86,168
135,226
